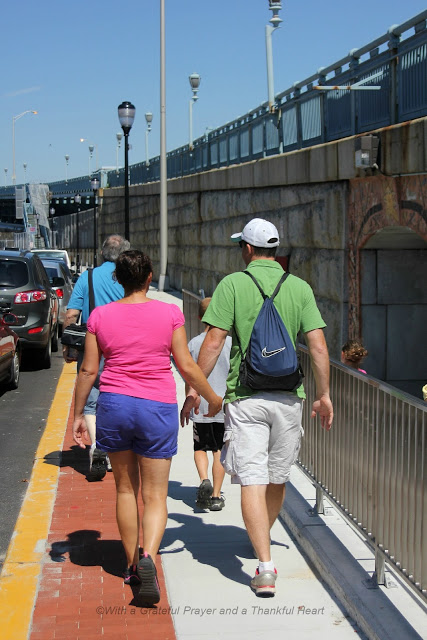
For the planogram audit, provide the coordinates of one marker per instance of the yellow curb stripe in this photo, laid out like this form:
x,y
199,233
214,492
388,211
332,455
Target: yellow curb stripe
x,y
20,575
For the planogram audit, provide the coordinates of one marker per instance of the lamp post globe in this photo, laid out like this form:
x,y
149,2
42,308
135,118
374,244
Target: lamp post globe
x,y
126,113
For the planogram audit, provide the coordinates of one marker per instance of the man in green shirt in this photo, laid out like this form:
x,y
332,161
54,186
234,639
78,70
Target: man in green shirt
x,y
262,428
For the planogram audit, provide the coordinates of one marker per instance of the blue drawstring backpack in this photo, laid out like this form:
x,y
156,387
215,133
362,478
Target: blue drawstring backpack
x,y
271,362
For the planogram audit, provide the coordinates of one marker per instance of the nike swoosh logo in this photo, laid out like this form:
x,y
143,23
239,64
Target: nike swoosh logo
x,y
268,354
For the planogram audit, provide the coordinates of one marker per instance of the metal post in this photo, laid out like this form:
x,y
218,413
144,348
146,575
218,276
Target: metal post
x,y
190,125
13,152
126,186
95,230
270,74
163,280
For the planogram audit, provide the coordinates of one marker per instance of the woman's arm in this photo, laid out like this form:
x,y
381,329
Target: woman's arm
x,y
85,381
192,373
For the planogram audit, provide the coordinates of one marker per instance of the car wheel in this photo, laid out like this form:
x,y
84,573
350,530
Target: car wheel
x,y
46,355
55,339
14,372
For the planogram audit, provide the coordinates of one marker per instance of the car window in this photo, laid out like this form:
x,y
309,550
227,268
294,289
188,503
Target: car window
x,y
13,274
41,273
51,272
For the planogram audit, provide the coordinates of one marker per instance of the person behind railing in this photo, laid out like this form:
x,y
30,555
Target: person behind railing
x,y
352,354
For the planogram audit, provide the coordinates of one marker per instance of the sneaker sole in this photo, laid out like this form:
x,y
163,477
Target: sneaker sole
x,y
216,507
149,592
267,591
97,472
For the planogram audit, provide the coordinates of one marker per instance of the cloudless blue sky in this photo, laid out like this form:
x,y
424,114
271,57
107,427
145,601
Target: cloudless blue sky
x,y
75,62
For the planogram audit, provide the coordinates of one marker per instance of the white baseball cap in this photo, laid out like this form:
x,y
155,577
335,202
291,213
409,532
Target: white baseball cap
x,y
258,233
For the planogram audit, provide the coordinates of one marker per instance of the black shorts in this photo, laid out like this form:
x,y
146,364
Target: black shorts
x,y
208,436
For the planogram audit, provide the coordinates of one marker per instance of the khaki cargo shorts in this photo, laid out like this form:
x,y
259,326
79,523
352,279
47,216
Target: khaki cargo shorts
x,y
262,437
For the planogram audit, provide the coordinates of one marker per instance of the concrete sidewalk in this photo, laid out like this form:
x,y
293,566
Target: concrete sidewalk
x,y
205,564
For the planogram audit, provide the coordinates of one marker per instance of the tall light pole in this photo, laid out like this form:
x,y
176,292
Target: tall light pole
x,y
14,119
94,183
77,200
194,83
119,137
148,119
163,283
126,112
5,177
52,230
91,149
275,7
25,172
67,157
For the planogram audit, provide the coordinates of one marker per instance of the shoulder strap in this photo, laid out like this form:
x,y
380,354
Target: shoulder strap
x,y
91,291
257,284
275,292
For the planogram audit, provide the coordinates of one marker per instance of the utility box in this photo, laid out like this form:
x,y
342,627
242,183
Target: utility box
x,y
366,152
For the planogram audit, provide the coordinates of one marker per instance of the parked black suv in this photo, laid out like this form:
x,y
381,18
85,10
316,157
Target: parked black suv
x,y
26,292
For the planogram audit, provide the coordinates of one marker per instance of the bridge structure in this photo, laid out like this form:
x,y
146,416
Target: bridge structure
x,y
306,114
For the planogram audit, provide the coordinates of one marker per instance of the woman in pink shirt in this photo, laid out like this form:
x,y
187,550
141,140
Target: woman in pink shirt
x,y
137,414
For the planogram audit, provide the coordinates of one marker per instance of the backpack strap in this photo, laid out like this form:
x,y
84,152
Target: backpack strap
x,y
91,291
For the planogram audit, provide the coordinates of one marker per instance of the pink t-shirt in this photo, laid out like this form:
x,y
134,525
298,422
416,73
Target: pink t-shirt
x,y
136,340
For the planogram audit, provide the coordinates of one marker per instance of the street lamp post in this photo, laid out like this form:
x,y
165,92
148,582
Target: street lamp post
x,y
194,83
67,157
94,183
126,112
275,7
14,119
148,119
25,172
119,137
52,231
77,200
5,177
91,149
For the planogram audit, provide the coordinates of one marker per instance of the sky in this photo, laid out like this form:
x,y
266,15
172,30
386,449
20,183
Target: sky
x,y
74,62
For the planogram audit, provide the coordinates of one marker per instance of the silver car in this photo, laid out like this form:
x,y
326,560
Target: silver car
x,y
60,278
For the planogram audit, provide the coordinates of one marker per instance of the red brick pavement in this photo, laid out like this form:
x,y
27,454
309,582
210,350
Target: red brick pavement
x,y
81,594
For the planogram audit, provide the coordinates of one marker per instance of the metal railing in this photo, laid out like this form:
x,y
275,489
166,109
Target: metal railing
x,y
304,116
371,465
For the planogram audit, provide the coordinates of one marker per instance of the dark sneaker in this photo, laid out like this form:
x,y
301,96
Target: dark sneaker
x,y
217,504
130,575
264,583
149,591
204,493
97,465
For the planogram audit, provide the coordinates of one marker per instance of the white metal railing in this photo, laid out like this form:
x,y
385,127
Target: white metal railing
x,y
372,466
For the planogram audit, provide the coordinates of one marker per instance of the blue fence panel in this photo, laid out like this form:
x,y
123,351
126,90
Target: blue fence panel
x,y
244,142
311,120
271,135
289,128
223,151
413,81
373,107
257,138
233,145
338,114
214,153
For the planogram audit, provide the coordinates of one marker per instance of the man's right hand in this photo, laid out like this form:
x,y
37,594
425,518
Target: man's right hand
x,y
323,407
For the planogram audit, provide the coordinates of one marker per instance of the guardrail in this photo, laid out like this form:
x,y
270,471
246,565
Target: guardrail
x,y
371,464
304,116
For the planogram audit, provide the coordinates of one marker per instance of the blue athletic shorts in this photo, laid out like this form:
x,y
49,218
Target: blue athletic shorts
x,y
126,423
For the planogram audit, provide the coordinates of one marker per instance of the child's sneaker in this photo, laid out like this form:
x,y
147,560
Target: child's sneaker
x,y
217,503
130,575
149,591
204,493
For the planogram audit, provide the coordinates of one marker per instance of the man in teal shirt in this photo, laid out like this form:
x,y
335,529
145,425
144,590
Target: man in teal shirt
x,y
263,428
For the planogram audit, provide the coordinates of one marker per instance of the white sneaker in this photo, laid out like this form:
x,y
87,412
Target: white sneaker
x,y
109,467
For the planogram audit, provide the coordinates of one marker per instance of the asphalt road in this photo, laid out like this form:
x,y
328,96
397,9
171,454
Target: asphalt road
x,y
23,416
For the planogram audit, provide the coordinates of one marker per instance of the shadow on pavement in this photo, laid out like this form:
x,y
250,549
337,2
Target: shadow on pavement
x,y
75,457
86,550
